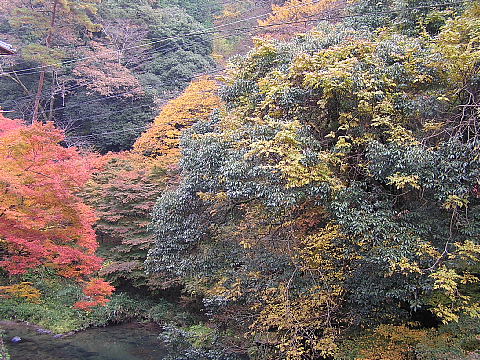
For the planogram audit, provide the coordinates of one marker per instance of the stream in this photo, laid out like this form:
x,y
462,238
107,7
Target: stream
x,y
116,342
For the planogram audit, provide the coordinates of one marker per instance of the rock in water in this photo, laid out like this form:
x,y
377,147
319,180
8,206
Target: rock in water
x,y
16,339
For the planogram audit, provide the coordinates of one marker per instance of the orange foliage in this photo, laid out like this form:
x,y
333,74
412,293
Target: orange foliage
x,y
397,342
96,291
392,343
123,194
43,221
161,140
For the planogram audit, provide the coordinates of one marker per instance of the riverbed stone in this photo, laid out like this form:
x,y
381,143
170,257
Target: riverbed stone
x,y
16,339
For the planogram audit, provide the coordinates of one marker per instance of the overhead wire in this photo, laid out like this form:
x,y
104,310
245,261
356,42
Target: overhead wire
x,y
152,51
148,53
218,29
206,32
86,83
327,18
251,29
125,93
134,107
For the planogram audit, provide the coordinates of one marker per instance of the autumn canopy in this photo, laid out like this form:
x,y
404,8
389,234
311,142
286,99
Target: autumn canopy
x,y
43,222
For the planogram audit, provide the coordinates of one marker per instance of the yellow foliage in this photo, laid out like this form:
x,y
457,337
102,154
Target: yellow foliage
x,y
213,197
466,251
446,279
445,313
389,342
433,125
458,42
454,202
23,290
321,251
449,303
298,319
334,71
427,250
402,181
286,156
231,10
296,10
231,292
301,323
161,140
405,266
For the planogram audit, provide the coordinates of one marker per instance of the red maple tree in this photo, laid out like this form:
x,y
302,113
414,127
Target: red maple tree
x,y
43,221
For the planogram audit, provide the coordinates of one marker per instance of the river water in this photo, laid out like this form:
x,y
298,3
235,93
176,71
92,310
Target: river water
x,y
117,342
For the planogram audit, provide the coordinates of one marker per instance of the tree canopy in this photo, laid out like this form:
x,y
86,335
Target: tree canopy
x,y
317,200
43,222
337,189
101,70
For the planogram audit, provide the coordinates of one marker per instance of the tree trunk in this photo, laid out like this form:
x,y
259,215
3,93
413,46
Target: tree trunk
x,y
52,97
38,97
41,80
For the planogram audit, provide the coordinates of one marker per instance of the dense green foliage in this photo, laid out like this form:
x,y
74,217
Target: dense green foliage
x,y
200,10
338,188
3,350
411,17
328,208
172,56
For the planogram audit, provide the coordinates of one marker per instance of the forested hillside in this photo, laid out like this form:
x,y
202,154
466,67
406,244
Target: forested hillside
x,y
315,196
104,68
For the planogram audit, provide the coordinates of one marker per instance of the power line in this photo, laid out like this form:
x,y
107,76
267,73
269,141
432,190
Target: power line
x,y
251,29
93,135
263,26
121,110
208,31
132,108
256,27
293,22
125,93
84,84
129,92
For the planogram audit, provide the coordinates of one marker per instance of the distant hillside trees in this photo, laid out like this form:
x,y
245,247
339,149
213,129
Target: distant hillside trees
x,y
101,72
